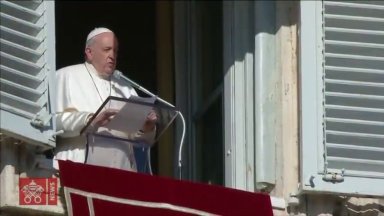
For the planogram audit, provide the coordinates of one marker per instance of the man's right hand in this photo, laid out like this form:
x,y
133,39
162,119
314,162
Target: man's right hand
x,y
103,118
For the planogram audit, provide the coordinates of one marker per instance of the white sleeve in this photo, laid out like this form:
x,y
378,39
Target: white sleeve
x,y
68,117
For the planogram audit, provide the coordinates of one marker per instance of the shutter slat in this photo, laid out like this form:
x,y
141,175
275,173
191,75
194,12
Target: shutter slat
x,y
354,44
20,38
354,74
20,77
18,102
348,69
356,113
357,96
355,83
353,31
20,51
16,111
354,100
30,4
353,57
342,60
20,90
354,152
354,128
353,10
352,121
20,25
354,22
21,64
23,13
349,108
359,162
345,20
368,140
353,35
366,135
357,167
354,5
376,3
357,148
354,87
349,48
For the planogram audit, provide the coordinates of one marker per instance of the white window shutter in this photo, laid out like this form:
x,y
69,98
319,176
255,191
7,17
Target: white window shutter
x,y
342,97
27,52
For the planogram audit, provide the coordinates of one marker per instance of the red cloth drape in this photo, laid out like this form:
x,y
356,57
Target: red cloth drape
x,y
142,189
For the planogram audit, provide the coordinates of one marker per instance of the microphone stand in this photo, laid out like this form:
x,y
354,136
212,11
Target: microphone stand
x,y
117,74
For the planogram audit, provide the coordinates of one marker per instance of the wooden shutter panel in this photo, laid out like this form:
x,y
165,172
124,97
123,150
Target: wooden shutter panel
x,y
27,52
354,87
342,97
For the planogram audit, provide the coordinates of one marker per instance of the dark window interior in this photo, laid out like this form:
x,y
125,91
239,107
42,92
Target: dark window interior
x,y
209,143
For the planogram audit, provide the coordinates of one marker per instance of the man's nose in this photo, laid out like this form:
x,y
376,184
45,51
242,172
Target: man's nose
x,y
112,56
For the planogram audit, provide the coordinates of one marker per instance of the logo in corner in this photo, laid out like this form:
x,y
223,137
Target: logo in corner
x,y
38,191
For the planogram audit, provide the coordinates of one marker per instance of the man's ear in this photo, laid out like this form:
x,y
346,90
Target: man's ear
x,y
88,52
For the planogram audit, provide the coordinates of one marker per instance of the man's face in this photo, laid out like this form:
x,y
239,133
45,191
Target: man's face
x,y
103,53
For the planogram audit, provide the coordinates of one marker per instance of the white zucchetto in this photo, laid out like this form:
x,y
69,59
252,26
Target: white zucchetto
x,y
97,31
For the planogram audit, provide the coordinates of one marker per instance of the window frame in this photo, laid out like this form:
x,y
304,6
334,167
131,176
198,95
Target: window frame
x,y
238,143
187,66
239,118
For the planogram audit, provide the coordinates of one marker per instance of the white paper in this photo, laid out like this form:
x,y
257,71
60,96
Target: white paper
x,y
131,117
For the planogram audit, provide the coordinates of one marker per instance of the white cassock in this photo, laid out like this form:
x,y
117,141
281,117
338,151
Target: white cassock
x,y
80,93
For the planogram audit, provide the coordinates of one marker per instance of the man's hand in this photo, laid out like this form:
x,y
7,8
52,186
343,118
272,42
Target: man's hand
x,y
103,118
150,124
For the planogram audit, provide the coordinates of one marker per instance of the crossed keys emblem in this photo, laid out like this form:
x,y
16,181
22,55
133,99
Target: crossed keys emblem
x,y
32,190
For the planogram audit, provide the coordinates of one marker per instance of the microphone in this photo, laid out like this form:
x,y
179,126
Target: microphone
x,y
119,75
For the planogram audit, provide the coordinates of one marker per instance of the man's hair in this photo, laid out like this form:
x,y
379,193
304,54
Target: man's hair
x,y
88,44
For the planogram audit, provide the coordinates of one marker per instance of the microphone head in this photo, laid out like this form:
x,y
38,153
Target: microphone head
x,y
117,74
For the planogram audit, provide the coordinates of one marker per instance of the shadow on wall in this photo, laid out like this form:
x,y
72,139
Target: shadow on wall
x,y
286,15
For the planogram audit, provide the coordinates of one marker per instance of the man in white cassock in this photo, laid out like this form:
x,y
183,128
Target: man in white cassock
x,y
81,90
